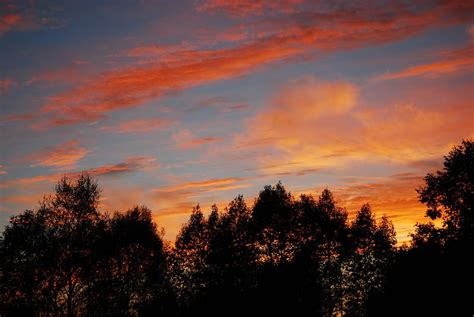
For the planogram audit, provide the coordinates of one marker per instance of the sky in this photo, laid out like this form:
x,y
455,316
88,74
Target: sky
x,y
173,103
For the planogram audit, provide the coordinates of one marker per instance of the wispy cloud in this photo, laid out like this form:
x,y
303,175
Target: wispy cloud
x,y
174,202
281,39
214,183
138,126
463,60
63,156
394,196
14,17
131,164
248,7
185,140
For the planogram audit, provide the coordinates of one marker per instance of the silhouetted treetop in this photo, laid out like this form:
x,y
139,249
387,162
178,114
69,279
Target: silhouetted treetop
x,y
449,194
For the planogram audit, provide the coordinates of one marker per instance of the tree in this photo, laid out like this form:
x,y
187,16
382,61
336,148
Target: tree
x,y
332,250
272,217
449,194
431,277
48,252
189,263
373,254
232,255
130,273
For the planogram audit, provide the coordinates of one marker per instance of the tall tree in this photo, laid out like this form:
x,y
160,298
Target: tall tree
x,y
373,253
273,216
50,249
431,277
332,250
189,261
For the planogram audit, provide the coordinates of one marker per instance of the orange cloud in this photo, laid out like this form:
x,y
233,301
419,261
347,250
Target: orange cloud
x,y
21,199
138,126
185,139
434,69
308,99
289,36
303,120
25,181
2,170
325,125
173,203
131,164
8,21
394,196
62,156
130,87
278,40
405,132
216,182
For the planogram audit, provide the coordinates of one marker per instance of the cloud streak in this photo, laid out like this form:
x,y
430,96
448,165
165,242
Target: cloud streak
x,y
129,165
394,196
63,156
138,126
462,60
282,38
186,140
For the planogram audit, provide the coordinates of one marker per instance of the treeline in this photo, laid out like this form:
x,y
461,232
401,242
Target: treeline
x,y
283,255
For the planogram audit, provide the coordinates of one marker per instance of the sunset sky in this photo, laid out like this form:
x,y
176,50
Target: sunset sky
x,y
171,103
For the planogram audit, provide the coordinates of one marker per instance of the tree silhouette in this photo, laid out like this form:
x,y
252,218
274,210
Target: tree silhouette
x,y
189,259
130,271
272,216
374,252
284,255
438,265
449,194
47,261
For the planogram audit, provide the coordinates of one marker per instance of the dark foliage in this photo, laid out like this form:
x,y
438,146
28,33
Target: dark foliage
x,y
285,255
435,275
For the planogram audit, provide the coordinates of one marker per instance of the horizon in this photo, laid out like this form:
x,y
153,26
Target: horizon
x,y
196,102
